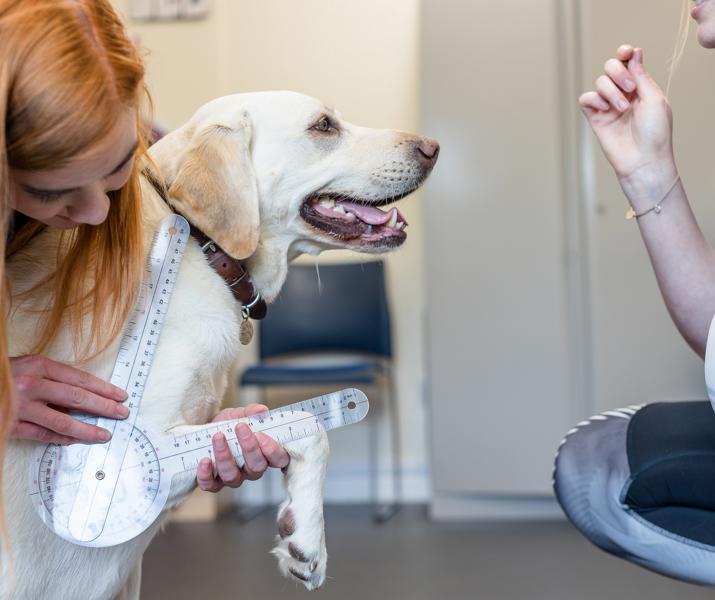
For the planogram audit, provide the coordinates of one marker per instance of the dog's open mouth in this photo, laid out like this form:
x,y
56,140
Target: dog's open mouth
x,y
352,221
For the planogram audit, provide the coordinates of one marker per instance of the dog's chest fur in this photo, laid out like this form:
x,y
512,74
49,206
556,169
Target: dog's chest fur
x,y
199,341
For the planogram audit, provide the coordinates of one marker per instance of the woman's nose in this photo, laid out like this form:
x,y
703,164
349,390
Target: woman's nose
x,y
91,206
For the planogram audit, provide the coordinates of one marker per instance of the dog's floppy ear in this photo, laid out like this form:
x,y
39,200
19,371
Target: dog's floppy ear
x,y
215,186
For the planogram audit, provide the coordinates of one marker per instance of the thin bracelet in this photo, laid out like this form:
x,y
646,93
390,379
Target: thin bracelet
x,y
656,208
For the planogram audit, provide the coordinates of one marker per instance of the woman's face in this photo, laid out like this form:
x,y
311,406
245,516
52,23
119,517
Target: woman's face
x,y
704,15
77,193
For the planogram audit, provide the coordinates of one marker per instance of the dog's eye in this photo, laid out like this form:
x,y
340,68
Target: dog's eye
x,y
324,125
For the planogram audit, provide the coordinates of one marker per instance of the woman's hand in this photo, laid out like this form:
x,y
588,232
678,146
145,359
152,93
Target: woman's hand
x,y
631,118
259,452
46,390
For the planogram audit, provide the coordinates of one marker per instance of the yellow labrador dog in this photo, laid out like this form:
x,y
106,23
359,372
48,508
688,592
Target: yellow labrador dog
x,y
266,176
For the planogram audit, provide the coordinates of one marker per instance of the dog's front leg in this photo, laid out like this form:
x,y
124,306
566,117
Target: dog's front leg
x,y
301,548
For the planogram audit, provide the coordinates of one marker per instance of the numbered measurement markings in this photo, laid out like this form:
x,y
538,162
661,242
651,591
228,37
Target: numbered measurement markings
x,y
104,494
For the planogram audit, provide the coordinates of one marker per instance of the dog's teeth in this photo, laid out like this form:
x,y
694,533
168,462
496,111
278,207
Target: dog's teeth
x,y
400,226
393,219
327,202
339,208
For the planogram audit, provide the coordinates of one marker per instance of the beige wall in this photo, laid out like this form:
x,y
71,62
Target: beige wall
x,y
360,57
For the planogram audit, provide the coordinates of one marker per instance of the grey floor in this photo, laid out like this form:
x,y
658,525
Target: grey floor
x,y
407,558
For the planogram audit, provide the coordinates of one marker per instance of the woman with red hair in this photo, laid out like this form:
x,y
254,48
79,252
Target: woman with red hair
x,y
73,102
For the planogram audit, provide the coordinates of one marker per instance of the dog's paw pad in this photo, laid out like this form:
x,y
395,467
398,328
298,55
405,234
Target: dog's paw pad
x,y
308,571
296,553
301,551
298,575
286,524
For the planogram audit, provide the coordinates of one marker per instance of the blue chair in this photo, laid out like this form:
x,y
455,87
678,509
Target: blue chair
x,y
339,311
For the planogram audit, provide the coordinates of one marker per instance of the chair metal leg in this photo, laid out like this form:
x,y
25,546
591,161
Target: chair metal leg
x,y
384,512
374,465
396,442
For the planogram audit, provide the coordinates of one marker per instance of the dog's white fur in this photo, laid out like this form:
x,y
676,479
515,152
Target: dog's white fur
x,y
239,169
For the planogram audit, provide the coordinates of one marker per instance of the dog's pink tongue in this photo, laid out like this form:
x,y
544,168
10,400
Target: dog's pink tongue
x,y
371,214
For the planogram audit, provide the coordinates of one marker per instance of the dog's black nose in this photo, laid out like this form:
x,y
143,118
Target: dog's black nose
x,y
427,152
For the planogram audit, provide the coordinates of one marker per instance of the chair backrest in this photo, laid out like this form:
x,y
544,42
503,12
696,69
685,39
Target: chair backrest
x,y
345,310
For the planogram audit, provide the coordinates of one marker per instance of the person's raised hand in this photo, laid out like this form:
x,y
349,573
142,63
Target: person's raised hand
x,y
630,116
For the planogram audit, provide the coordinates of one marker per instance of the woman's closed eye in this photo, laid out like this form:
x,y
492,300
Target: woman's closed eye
x,y
125,166
120,175
114,180
45,196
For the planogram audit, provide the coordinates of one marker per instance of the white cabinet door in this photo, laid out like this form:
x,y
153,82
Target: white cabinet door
x,y
638,355
542,304
498,352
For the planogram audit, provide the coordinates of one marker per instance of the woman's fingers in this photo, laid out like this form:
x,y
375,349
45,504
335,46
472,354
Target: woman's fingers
x,y
81,379
636,129
259,451
30,431
205,477
47,389
620,75
592,101
40,366
608,90
612,87
254,409
274,453
648,89
74,398
625,52
229,414
239,412
59,422
226,465
255,462
228,471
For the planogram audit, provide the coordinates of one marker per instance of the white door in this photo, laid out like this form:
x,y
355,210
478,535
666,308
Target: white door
x,y
542,304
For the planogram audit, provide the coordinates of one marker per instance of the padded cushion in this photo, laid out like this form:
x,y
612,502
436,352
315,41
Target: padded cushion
x,y
671,454
359,372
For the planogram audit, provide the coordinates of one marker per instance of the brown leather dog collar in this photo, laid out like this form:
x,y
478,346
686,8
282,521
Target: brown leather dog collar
x,y
234,274
231,270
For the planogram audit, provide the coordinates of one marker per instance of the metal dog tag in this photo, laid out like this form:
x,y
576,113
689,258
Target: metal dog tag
x,y
246,331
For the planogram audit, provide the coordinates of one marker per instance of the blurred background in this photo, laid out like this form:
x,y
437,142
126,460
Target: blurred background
x,y
521,303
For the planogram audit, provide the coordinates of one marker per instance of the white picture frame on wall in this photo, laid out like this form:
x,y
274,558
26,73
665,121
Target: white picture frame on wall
x,y
169,10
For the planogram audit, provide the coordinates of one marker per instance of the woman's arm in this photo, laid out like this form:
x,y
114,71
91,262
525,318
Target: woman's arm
x,y
632,120
683,260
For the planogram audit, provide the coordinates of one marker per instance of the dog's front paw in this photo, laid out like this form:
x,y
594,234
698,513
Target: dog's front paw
x,y
300,550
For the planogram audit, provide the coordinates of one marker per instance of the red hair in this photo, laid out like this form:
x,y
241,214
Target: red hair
x,y
68,70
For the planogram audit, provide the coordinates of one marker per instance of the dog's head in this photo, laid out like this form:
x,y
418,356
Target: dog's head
x,y
271,175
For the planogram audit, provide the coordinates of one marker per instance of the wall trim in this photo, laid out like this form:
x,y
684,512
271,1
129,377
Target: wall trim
x,y
450,507
344,484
